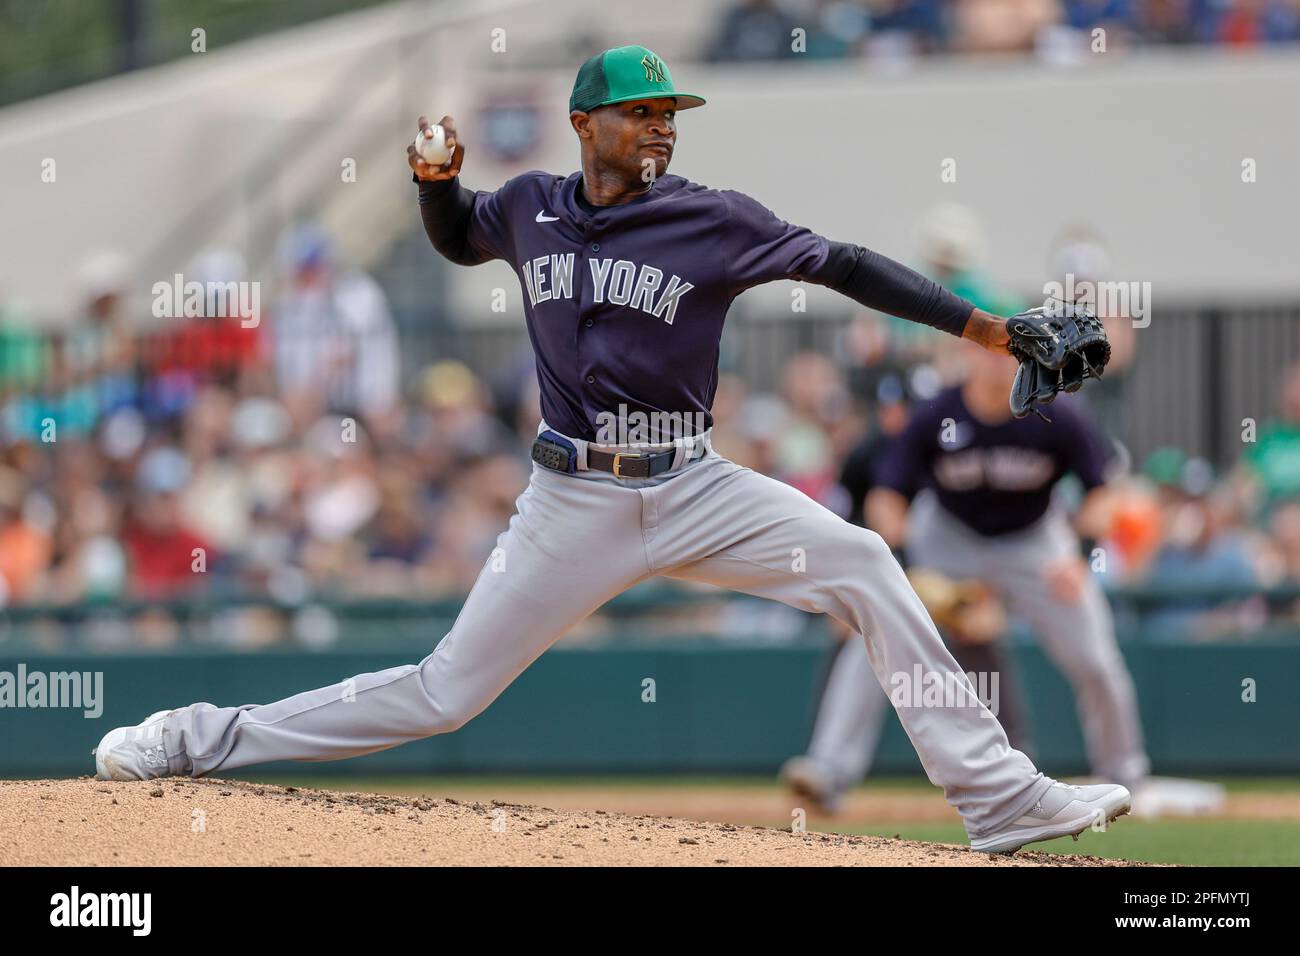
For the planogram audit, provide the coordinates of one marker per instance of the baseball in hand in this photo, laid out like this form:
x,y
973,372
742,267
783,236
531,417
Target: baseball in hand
x,y
431,144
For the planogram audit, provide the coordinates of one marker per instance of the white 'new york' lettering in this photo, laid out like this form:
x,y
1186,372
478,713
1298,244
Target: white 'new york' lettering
x,y
614,282
618,282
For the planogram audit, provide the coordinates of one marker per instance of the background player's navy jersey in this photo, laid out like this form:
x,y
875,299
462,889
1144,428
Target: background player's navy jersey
x,y
994,478
625,304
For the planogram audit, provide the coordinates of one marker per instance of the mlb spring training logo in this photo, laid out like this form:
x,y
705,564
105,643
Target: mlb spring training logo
x,y
83,690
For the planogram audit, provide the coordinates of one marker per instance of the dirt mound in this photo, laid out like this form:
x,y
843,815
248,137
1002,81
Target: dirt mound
x,y
180,822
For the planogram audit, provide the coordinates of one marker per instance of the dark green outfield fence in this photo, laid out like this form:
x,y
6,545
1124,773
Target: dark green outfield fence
x,y
718,708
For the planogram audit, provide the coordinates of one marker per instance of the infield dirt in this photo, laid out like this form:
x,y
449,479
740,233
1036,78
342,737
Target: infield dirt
x,y
184,822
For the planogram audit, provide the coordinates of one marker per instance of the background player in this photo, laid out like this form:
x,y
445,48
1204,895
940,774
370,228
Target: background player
x,y
849,722
981,484
627,275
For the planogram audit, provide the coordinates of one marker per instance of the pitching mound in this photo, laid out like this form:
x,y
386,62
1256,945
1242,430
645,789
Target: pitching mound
x,y
183,822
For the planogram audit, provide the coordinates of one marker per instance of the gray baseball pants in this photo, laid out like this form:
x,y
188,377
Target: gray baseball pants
x,y
578,540
1079,639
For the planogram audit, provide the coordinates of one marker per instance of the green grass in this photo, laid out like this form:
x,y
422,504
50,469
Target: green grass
x,y
1185,842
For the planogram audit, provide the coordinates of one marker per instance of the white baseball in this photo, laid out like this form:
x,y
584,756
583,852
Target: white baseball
x,y
433,149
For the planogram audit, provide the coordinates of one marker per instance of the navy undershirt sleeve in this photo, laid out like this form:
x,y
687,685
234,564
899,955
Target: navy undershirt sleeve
x,y
881,283
446,208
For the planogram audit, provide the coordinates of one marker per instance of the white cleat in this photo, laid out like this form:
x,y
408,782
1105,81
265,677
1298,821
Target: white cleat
x,y
133,753
1063,810
808,779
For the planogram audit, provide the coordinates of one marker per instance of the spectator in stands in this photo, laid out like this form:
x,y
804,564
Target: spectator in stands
x,y
731,437
1245,23
399,539
1134,536
816,403
753,30
1061,30
453,424
335,342
1202,550
1088,14
22,353
923,22
99,355
1284,531
222,438
1002,26
867,355
167,559
339,497
1164,22
478,504
217,345
837,29
58,384
1272,463
1080,260
90,560
952,243
25,547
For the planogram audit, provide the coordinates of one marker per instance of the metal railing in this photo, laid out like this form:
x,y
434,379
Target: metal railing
x,y
653,609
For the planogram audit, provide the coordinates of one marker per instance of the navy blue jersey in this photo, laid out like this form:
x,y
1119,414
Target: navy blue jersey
x,y
625,304
994,478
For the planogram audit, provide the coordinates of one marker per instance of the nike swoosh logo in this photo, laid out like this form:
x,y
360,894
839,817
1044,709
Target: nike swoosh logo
x,y
542,217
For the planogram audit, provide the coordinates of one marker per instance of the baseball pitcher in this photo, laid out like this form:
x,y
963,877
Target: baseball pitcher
x,y
627,273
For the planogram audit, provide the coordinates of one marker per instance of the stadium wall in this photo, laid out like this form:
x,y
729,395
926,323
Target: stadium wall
x,y
717,709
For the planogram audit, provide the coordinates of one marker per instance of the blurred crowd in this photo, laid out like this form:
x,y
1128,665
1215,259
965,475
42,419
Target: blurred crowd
x,y
1056,29
280,454
286,454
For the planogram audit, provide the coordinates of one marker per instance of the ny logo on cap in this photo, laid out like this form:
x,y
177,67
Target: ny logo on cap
x,y
654,69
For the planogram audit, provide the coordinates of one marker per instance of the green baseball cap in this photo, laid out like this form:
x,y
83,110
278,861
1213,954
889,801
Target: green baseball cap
x,y
622,74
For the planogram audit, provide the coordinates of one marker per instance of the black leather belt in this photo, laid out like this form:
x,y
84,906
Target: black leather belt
x,y
561,456
631,464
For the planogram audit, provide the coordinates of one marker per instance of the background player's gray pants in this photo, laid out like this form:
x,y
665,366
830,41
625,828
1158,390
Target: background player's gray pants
x,y
576,542
1079,638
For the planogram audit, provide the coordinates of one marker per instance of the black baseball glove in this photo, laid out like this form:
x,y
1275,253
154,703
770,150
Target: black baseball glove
x,y
1058,346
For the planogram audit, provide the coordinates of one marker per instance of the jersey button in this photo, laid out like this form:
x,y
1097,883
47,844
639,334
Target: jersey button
x,y
595,247
591,379
589,323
